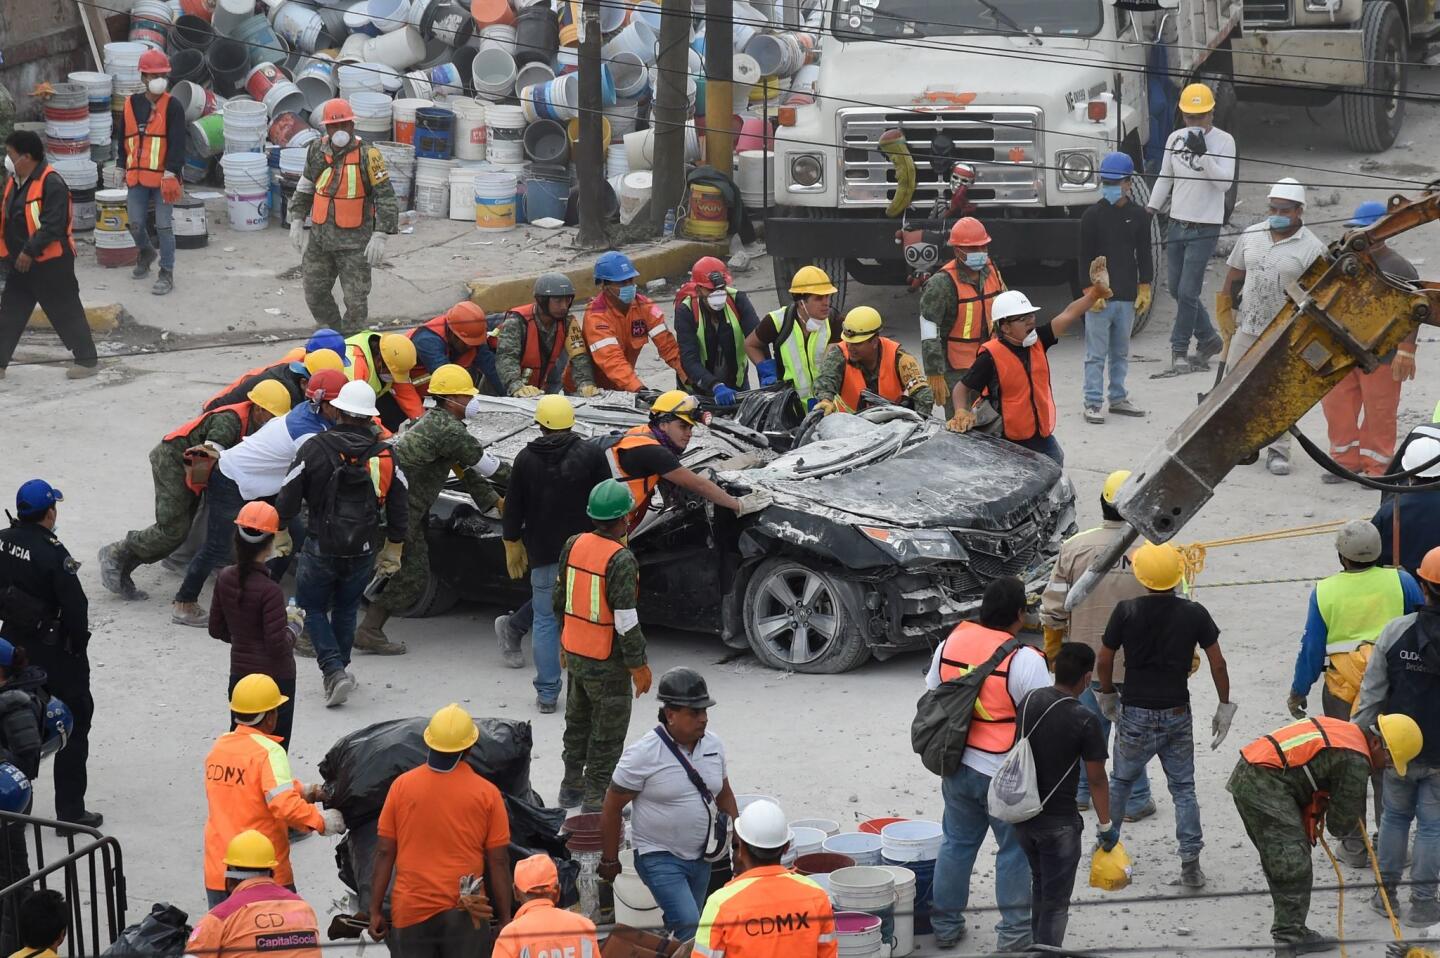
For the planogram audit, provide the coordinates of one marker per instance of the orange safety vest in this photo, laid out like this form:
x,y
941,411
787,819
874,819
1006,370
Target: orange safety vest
x,y
1027,406
889,384
260,917
972,316
419,376
145,151
540,930
382,472
1299,742
295,355
992,728
641,487
346,189
530,358
34,199
589,628
767,912
241,409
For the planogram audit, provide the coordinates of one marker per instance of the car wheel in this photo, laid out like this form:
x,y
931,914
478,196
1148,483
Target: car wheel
x,y
437,599
799,619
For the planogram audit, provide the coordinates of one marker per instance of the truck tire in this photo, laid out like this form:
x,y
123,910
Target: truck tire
x,y
1140,196
1374,113
785,266
801,619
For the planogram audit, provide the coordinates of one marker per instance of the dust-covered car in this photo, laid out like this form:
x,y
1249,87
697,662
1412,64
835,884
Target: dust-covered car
x,y
884,532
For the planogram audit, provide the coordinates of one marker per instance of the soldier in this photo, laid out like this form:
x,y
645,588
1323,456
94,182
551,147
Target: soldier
x,y
427,452
531,357
604,649
44,610
347,194
955,308
866,360
180,466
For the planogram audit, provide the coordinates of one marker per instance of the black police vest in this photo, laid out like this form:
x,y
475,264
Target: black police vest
x,y
1415,687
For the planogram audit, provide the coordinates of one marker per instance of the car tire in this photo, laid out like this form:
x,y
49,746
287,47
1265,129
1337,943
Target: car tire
x,y
437,599
775,590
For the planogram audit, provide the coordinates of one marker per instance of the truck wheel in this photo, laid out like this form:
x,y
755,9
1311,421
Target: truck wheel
x,y
437,599
1140,196
785,266
799,619
1374,113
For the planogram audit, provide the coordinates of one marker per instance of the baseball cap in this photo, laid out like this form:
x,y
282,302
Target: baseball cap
x,y
35,498
535,873
1367,213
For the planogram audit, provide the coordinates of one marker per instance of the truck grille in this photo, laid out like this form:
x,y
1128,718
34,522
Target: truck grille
x,y
1266,13
1004,144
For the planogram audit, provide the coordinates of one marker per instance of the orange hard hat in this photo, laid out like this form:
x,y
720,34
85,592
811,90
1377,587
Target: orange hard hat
x,y
259,517
536,872
467,321
1430,566
968,231
154,61
703,274
336,111
296,355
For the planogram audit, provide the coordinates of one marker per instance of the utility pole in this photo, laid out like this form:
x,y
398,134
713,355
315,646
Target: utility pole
x,y
668,114
590,154
719,67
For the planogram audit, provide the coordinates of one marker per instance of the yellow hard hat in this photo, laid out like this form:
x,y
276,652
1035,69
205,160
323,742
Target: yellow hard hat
x,y
1402,738
861,323
1158,567
451,730
398,354
812,281
256,694
1110,870
270,396
677,403
1196,98
1113,482
452,380
555,412
251,850
318,359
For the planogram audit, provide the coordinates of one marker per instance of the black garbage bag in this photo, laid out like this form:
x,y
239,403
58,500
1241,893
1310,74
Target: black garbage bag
x,y
163,932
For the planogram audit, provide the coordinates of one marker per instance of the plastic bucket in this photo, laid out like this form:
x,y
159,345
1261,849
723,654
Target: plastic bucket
x,y
432,187
207,135
247,190
434,133
546,197
629,75
708,217
582,832
150,22
640,149
403,114
190,32
864,847
487,12
636,38
911,841
285,128
875,826
616,162
504,132
806,841
196,100
634,194
867,889
533,74
261,40
228,61
469,128
822,863
203,9
498,36
301,26
246,123
285,97
750,178
493,73
446,81
545,142
648,11
399,49
904,942
229,14
634,905
388,15
494,195
826,825
354,77
924,872
462,193
537,35
317,81
114,246
858,935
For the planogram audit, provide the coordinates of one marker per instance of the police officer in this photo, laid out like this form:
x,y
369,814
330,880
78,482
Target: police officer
x,y
43,609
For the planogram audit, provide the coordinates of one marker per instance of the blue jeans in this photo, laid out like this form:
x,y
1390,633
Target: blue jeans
x,y
223,499
1140,791
678,886
1189,249
137,205
1142,734
545,632
1416,797
1107,337
1046,446
329,588
966,819
1053,850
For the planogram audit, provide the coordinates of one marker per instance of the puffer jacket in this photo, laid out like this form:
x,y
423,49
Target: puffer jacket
x,y
22,707
251,618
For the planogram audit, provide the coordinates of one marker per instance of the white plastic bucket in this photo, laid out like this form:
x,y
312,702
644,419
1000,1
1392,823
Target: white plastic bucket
x,y
634,905
629,74
462,192
354,77
494,196
247,190
533,73
640,148
634,194
230,14
470,132
745,73
388,15
399,49
806,841
904,910
493,73
416,85
858,935
504,134
246,123
498,36
400,163
432,186
649,11
863,848
827,825
298,24
284,97
617,162
636,38
403,113
317,81
911,841
750,177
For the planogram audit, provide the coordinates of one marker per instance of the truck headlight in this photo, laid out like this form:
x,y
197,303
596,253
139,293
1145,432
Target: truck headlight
x,y
807,171
1075,169
910,544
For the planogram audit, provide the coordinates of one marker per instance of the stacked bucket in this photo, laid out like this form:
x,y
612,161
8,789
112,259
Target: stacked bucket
x,y
67,148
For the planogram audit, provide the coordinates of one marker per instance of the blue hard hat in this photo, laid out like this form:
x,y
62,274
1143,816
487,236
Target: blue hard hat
x,y
324,338
59,723
1116,166
614,267
7,653
1367,213
15,789
35,498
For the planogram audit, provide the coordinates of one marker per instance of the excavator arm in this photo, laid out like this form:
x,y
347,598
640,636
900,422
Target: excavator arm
x,y
1341,314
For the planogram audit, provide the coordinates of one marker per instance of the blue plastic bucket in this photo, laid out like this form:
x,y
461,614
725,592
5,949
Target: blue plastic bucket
x,y
545,197
924,891
434,133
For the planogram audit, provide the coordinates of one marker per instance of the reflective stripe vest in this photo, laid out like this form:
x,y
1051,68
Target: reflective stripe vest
x,y
540,930
420,376
539,367
732,317
589,628
382,472
799,352
364,364
241,409
145,150
641,487
1355,607
345,190
1299,742
992,728
1027,407
972,316
888,376
34,200
767,912
260,917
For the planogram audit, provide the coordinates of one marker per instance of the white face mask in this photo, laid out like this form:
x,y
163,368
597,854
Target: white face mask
x,y
158,85
813,325
340,139
1031,340
716,300
10,166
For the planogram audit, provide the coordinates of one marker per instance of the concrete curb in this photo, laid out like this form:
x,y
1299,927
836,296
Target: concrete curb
x,y
102,319
499,294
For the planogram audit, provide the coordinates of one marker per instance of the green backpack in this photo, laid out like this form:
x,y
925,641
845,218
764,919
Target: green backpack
x,y
942,716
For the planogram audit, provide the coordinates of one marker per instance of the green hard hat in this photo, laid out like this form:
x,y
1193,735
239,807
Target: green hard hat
x,y
609,500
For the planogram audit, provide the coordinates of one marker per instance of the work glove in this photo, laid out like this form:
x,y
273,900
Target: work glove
x,y
170,190
1296,704
1195,141
1225,315
312,793
765,369
1144,296
962,421
827,406
375,250
283,544
1220,724
1101,292
723,394
753,502
1099,278
295,620
1053,638
1107,837
499,505
334,822
587,390
516,559
641,678
1109,705
298,237
528,391
389,561
478,908
937,389
1402,367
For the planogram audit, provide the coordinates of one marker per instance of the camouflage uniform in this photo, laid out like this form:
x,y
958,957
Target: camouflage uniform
x,y
510,349
831,374
938,303
597,705
427,452
334,251
1270,800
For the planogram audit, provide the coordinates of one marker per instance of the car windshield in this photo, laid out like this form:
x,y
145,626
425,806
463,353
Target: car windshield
x,y
868,19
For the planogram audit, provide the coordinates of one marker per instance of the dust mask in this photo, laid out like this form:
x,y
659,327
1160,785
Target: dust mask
x,y
716,300
977,260
626,293
813,325
158,85
1031,340
340,139
10,166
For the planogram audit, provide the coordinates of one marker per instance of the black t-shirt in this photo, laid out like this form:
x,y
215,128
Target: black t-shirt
x,y
648,461
982,377
1159,633
1069,732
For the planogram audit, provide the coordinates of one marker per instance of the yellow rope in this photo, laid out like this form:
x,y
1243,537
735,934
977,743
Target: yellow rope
x,y
1380,883
1192,556
1340,880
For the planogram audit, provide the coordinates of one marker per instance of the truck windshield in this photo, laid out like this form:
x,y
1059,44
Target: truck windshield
x,y
868,19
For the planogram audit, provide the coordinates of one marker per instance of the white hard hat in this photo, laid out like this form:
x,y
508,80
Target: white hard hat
x,y
763,825
1288,189
356,399
1358,541
1420,450
1010,304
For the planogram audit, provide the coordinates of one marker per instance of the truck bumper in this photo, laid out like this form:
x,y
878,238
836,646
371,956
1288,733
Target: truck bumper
x,y
857,237
1331,57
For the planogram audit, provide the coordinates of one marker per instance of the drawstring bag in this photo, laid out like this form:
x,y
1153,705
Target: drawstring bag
x,y
1014,793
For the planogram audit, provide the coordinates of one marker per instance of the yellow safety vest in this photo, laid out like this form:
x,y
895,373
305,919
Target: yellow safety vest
x,y
1355,607
799,354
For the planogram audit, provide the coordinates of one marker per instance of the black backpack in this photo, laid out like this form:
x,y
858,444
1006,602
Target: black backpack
x,y
347,519
942,716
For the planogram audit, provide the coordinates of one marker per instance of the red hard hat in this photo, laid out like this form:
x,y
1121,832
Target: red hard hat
x,y
702,274
325,385
336,111
969,231
154,61
467,322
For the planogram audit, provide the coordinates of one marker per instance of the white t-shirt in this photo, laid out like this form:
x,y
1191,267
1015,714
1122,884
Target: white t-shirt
x,y
668,813
259,462
1027,673
1195,185
1269,267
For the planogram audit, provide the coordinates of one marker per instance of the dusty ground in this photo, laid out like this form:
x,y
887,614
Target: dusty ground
x,y
831,747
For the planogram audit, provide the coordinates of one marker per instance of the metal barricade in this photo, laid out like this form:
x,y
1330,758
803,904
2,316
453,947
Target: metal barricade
x,y
88,871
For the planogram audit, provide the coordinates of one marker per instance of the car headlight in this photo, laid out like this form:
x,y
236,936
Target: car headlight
x,y
909,544
1075,169
1061,494
807,170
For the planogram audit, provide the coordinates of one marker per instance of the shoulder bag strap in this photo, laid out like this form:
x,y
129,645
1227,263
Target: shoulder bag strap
x,y
695,778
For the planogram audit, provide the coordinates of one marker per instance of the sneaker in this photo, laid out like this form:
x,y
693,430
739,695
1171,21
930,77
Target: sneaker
x,y
946,942
1330,479
1094,414
1422,913
1190,874
164,283
78,371
338,686
1125,407
143,262
546,708
570,797
189,613
1277,464
510,653
1141,813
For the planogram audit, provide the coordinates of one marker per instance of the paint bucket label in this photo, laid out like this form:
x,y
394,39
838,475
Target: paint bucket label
x,y
709,217
493,213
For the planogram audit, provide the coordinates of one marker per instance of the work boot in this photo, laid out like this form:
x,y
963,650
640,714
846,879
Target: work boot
x,y
370,637
1206,350
1352,852
78,371
1190,874
1276,463
143,262
953,941
189,613
303,646
546,708
86,819
570,797
1197,362
164,283
338,686
1422,913
1379,905
1141,813
1094,414
1125,407
510,653
116,564
1308,942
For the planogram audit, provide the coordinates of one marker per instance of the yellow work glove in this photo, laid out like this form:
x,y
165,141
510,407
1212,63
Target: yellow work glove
x,y
1144,296
962,421
389,561
937,388
1402,367
529,392
1053,638
478,908
1225,315
826,406
588,390
641,678
500,505
516,559
283,544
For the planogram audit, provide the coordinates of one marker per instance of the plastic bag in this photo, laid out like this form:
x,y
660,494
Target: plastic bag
x,y
162,932
1110,870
